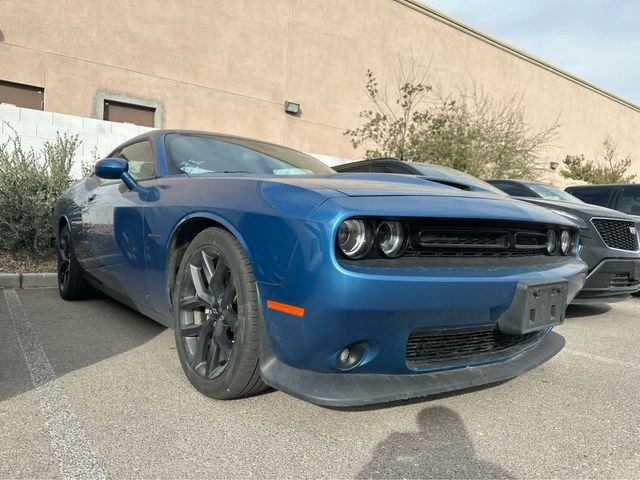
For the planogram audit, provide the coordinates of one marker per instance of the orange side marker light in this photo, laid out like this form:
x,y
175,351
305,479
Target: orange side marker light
x,y
283,307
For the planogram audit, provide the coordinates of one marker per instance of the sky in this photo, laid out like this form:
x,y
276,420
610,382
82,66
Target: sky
x,y
596,40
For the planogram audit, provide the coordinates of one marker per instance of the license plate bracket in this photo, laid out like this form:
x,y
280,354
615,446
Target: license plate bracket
x,y
534,307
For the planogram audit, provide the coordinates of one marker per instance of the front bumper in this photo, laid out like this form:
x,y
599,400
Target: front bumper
x,y
345,306
340,390
613,279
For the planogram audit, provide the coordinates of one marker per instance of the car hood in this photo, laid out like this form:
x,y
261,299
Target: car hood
x,y
582,210
361,194
375,185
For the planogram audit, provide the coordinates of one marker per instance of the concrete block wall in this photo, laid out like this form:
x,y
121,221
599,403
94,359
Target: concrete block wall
x,y
35,127
98,137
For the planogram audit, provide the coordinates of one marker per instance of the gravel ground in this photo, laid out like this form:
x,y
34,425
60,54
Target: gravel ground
x,y
112,401
11,262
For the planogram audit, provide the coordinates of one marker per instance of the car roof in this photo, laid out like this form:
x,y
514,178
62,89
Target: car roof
x,y
603,185
155,134
523,182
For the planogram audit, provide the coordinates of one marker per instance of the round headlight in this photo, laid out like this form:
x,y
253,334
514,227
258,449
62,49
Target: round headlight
x,y
551,242
565,242
390,236
355,238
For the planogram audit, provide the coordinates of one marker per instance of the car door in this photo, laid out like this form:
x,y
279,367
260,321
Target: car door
x,y
628,200
113,224
595,195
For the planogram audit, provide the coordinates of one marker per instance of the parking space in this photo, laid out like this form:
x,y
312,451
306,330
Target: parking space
x,y
112,401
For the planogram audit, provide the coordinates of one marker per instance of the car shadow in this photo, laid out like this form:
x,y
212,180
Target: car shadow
x,y
73,335
441,448
578,311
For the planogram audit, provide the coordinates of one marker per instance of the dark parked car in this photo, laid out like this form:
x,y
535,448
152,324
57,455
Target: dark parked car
x,y
624,198
341,289
609,238
434,173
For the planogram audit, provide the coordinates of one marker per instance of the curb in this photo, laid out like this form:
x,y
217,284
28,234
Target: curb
x,y
28,280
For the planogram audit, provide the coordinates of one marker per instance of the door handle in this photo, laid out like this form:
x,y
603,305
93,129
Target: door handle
x,y
92,197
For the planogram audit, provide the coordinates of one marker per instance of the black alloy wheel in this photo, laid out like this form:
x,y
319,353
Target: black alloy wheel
x,y
71,282
64,261
208,314
215,305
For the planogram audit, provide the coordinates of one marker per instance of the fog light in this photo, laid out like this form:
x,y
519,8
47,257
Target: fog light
x,y
351,356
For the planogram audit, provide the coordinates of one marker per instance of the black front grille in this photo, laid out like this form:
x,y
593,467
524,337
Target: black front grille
x,y
620,234
623,280
475,239
431,348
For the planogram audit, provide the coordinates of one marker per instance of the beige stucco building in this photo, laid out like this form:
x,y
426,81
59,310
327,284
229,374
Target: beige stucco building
x,y
229,66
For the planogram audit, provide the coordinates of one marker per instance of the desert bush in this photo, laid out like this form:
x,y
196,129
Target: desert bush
x,y
470,131
610,168
30,184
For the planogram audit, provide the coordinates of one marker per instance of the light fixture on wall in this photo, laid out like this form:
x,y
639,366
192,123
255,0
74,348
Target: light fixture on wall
x,y
291,107
553,165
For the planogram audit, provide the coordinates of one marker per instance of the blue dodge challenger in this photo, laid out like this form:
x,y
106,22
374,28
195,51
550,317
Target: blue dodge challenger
x,y
340,289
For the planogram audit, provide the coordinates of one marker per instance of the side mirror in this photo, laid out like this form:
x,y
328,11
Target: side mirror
x,y
113,169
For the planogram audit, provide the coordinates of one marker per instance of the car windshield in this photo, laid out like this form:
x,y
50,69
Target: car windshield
x,y
552,193
446,174
196,154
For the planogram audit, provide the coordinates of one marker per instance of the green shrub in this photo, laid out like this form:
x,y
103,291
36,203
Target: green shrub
x,y
30,184
610,168
470,131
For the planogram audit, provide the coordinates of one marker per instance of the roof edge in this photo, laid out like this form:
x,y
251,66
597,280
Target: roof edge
x,y
460,26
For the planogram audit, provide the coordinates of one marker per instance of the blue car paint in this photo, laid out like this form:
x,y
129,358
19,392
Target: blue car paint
x,y
287,226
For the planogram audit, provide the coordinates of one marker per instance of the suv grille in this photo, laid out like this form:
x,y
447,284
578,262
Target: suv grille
x,y
432,348
620,234
623,280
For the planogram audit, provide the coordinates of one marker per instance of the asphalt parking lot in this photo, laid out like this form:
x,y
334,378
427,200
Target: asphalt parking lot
x,y
111,400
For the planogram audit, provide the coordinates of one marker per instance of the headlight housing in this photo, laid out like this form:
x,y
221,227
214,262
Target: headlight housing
x,y
390,237
561,242
552,242
355,238
565,242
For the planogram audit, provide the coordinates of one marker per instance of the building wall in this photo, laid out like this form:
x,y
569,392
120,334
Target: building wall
x,y
229,66
34,128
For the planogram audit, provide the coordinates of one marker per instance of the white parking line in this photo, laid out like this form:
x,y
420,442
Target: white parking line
x,y
600,358
69,443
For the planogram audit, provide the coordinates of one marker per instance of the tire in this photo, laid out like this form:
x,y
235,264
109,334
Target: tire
x,y
71,282
216,320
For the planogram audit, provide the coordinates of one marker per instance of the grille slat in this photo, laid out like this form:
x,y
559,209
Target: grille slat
x,y
430,348
477,240
620,280
620,234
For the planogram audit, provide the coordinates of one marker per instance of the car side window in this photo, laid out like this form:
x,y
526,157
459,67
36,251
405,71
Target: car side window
x,y
139,156
380,169
629,200
512,189
355,168
594,195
